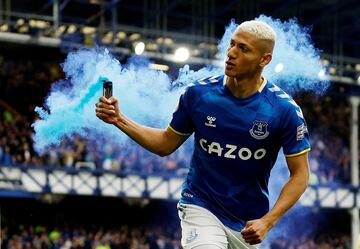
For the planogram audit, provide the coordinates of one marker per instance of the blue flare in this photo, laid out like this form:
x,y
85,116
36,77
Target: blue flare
x,y
149,96
225,40
296,52
91,93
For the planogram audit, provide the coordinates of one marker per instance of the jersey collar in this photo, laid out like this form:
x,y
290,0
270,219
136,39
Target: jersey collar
x,y
263,84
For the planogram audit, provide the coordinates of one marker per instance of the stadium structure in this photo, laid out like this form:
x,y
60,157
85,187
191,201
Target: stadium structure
x,y
157,29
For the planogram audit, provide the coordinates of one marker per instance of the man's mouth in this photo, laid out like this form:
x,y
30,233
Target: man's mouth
x,y
230,63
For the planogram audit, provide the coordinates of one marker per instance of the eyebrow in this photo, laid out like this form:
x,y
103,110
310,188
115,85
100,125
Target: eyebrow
x,y
240,43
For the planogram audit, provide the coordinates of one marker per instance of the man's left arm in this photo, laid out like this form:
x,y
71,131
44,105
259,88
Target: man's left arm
x,y
256,230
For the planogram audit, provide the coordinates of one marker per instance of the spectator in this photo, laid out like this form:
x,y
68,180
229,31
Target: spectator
x,y
328,122
150,237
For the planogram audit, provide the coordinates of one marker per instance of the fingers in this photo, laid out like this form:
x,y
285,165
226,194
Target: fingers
x,y
251,235
105,104
104,108
105,111
110,101
249,224
113,100
253,241
106,118
103,116
248,230
252,238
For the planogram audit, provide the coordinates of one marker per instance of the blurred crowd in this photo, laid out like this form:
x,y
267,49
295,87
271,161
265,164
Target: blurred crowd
x,y
126,237
16,148
335,241
328,119
25,84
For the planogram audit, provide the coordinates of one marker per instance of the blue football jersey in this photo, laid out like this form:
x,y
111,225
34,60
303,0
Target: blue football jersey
x,y
237,141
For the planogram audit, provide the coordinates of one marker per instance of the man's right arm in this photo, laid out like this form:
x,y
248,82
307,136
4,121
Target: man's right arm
x,y
159,141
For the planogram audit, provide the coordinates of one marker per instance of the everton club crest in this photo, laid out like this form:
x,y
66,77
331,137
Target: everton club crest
x,y
259,130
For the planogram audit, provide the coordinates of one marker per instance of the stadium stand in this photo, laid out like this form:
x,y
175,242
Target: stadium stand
x,y
30,80
36,35
96,222
328,120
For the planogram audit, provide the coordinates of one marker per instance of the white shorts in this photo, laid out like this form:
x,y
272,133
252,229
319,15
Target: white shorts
x,y
200,227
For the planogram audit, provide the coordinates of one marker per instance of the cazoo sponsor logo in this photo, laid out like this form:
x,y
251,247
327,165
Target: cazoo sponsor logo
x,y
231,151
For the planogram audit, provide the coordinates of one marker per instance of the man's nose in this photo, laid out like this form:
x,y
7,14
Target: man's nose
x,y
230,53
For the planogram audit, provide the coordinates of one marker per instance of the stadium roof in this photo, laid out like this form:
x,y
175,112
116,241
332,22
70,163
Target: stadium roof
x,y
336,23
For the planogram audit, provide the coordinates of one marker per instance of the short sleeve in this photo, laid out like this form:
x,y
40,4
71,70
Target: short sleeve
x,y
182,122
295,136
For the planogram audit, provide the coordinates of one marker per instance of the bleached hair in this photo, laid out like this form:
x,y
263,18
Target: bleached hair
x,y
260,29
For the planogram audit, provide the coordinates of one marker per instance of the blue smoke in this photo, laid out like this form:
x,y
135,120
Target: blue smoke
x,y
149,96
295,51
301,60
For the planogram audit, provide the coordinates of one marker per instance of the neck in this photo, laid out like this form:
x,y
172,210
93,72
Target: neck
x,y
244,87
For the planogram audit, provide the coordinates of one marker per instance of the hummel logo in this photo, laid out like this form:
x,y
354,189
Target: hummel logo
x,y
210,121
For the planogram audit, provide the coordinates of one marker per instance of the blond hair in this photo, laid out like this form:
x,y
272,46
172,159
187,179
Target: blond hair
x,y
260,29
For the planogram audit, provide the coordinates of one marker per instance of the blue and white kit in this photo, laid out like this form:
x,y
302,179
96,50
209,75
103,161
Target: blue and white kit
x,y
237,141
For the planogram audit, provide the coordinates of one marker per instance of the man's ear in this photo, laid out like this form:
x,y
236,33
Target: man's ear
x,y
265,59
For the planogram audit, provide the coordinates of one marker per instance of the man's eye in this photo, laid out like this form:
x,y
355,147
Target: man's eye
x,y
243,49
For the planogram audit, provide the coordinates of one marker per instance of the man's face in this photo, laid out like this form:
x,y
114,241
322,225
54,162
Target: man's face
x,y
243,55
